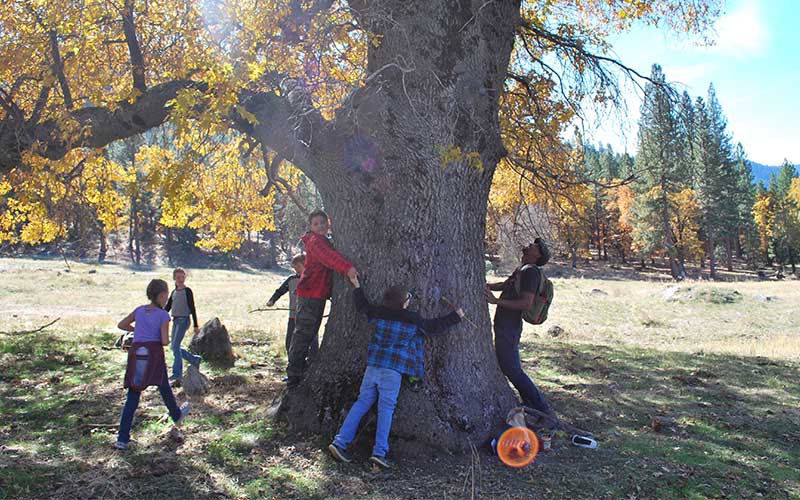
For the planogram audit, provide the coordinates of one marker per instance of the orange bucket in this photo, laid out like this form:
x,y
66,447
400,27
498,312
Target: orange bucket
x,y
517,447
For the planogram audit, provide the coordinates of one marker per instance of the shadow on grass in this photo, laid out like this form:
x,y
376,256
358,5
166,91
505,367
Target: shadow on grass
x,y
698,425
729,427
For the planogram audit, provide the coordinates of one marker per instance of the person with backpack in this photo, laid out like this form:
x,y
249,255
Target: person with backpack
x,y
527,294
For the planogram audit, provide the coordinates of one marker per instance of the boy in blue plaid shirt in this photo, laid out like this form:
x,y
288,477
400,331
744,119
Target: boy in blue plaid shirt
x,y
394,350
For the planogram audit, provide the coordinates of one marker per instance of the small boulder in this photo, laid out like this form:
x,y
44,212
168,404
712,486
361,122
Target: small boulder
x,y
195,383
597,291
213,343
555,331
764,298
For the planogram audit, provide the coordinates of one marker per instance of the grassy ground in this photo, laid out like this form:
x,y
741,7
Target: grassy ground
x,y
719,370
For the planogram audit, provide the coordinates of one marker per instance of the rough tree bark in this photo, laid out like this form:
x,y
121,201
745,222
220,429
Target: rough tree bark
x,y
402,216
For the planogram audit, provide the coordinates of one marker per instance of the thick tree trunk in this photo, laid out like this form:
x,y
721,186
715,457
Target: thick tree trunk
x,y
402,216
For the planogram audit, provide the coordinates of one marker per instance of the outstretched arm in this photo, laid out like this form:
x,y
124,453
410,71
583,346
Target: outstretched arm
x,y
437,326
283,289
362,304
332,259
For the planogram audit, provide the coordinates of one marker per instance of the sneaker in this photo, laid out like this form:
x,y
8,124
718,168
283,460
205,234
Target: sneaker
x,y
381,462
119,445
185,409
339,453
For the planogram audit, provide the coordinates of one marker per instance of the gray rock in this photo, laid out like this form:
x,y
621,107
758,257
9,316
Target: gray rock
x,y
555,331
765,298
194,382
213,343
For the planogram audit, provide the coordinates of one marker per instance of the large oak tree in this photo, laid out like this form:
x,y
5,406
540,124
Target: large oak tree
x,y
399,111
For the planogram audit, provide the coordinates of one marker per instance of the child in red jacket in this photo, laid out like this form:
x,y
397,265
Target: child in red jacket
x,y
312,291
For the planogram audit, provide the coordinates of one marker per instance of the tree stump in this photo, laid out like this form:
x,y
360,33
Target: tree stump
x,y
214,344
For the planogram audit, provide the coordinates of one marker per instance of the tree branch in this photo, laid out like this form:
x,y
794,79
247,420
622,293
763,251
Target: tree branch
x,y
96,126
276,181
137,59
288,124
58,70
41,102
57,66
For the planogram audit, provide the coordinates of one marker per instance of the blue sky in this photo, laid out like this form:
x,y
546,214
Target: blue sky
x,y
754,66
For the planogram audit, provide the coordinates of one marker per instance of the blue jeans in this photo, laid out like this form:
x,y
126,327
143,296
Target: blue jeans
x,y
506,346
383,385
132,401
179,326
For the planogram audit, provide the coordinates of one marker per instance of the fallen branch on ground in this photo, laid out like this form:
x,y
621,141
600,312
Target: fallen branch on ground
x,y
25,332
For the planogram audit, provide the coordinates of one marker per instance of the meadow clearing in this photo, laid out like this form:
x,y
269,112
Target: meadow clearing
x,y
717,364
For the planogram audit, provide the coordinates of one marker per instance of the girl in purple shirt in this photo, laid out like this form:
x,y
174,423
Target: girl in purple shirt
x,y
150,326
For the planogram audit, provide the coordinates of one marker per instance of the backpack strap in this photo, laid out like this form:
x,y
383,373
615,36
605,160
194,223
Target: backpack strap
x,y
518,279
541,280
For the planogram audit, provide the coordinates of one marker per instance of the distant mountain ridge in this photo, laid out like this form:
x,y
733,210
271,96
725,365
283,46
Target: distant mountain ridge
x,y
761,172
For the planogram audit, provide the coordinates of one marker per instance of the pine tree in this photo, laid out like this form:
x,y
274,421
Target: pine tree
x,y
686,122
662,171
715,179
609,165
727,175
780,184
746,236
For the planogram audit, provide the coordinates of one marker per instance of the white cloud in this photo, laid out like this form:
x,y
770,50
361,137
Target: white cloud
x,y
743,31
694,77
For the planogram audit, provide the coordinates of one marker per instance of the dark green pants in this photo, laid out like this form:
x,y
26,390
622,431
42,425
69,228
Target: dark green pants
x,y
304,343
